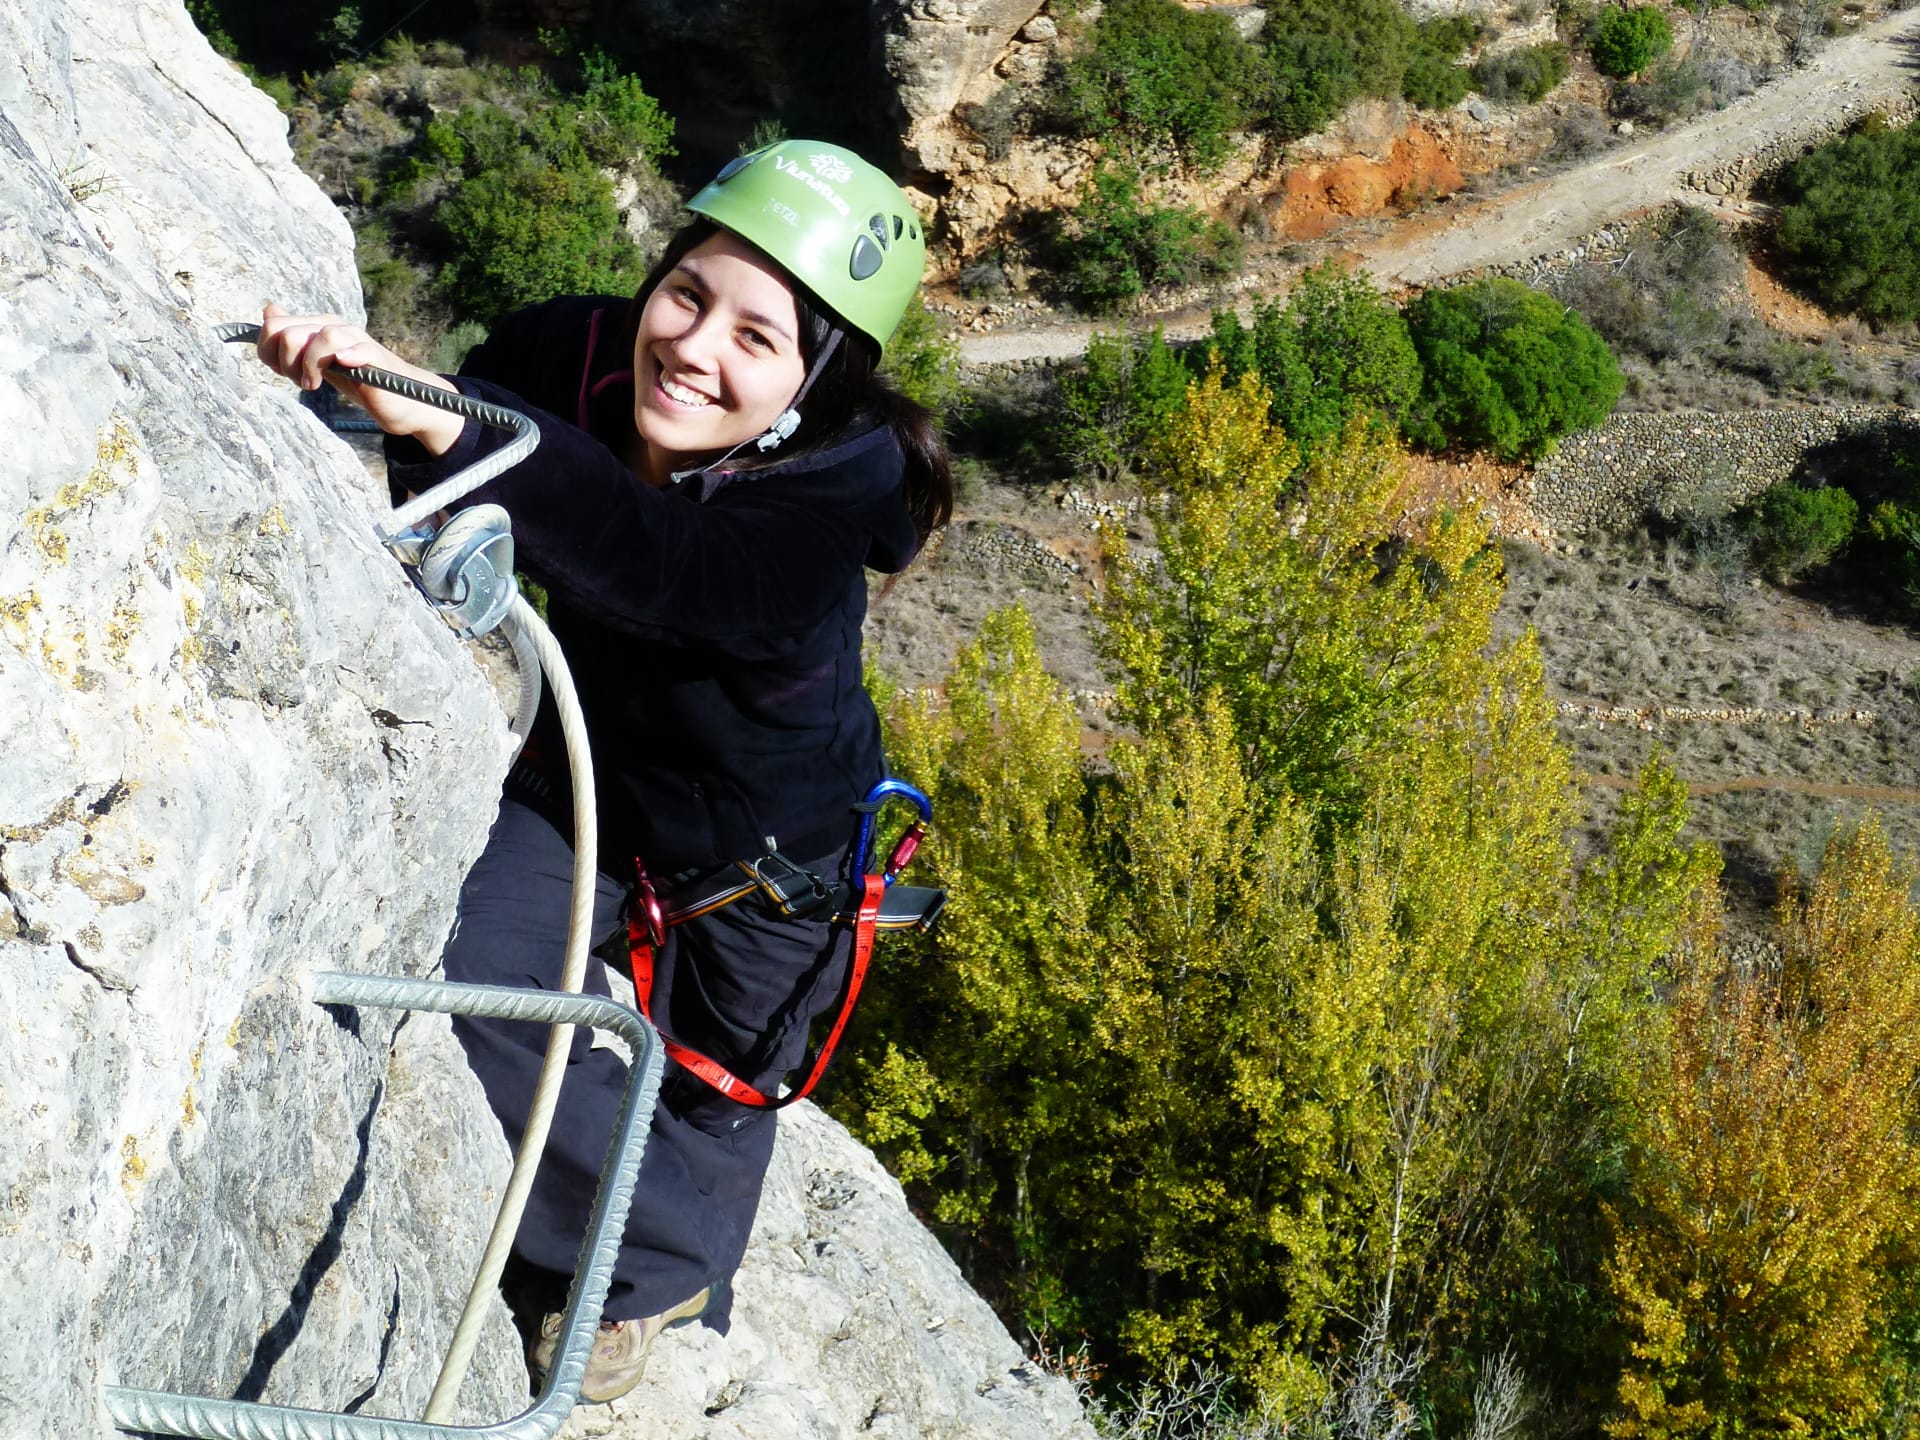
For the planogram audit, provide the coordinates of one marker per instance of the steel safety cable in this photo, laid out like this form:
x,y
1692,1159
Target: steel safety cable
x,y
529,634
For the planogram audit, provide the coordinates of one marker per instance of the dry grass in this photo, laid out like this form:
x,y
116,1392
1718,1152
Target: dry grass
x,y
1643,619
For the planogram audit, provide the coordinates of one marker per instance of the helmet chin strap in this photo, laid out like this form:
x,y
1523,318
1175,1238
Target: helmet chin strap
x,y
788,419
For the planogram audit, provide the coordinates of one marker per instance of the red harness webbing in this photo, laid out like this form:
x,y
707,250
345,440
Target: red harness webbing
x,y
640,951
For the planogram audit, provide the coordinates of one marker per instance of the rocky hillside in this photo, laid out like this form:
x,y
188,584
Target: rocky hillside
x,y
239,750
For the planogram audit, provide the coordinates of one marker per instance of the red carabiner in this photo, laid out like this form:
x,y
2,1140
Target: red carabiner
x,y
904,851
647,903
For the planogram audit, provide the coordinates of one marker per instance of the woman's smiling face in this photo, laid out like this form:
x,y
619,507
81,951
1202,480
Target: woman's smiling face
x,y
717,357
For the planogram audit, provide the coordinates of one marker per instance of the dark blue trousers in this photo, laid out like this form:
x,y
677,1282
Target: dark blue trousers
x,y
741,986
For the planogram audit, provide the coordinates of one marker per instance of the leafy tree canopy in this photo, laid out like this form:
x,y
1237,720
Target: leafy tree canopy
x,y
1772,1164
1281,1016
1121,394
1850,224
1337,349
1507,367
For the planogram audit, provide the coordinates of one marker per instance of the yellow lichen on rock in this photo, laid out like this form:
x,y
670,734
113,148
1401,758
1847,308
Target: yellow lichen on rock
x,y
116,462
133,1169
16,615
122,629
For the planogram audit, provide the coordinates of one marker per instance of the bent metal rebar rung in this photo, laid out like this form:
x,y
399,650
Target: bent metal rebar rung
x,y
166,1413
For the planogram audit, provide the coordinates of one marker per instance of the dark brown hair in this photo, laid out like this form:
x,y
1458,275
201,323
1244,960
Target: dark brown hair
x,y
849,397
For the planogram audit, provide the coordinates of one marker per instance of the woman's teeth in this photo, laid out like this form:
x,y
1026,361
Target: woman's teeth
x,y
683,395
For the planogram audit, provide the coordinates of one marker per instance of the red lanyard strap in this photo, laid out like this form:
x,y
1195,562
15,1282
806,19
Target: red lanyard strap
x,y
640,941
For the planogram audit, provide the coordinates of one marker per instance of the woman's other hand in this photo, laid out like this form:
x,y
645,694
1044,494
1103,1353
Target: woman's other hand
x,y
304,347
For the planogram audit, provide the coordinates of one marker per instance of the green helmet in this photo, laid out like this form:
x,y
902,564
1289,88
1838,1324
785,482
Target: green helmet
x,y
842,228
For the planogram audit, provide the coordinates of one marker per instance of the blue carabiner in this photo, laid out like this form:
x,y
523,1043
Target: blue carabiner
x,y
870,808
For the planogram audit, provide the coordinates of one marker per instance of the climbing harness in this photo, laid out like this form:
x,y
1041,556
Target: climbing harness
x,y
871,904
466,571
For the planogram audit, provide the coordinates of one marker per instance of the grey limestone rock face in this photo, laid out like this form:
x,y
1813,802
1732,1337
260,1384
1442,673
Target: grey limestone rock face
x,y
935,49
239,750
849,1320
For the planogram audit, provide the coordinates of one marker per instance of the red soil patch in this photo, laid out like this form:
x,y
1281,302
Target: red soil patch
x,y
1784,310
1319,197
1500,491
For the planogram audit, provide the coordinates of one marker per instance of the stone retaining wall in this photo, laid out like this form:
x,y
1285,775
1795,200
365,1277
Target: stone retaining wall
x,y
1646,717
1738,177
1692,460
987,544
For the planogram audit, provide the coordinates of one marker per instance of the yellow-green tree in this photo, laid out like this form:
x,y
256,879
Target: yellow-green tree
x,y
1277,1029
981,1025
1271,589
1773,1168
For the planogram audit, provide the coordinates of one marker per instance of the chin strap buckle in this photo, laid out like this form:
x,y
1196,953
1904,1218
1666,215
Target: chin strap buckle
x,y
781,430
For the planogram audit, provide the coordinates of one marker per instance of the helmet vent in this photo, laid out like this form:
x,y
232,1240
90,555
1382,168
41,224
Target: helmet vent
x,y
898,226
878,225
866,260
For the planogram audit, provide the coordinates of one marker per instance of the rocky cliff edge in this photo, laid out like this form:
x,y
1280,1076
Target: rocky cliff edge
x,y
239,750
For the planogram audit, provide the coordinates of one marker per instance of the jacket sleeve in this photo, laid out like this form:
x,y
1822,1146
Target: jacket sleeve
x,y
756,563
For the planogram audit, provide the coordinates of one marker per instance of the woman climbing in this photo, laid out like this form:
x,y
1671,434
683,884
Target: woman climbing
x,y
719,465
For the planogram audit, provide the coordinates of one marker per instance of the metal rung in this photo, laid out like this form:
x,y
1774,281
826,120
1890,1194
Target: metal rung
x,y
165,1413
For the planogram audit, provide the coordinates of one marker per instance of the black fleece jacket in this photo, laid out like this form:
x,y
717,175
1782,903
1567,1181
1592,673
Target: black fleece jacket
x,y
712,628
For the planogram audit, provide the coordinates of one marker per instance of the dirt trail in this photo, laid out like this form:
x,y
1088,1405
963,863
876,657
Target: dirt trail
x,y
1886,793
1878,62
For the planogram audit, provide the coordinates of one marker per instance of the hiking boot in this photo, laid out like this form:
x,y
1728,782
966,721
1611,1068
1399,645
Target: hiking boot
x,y
619,1355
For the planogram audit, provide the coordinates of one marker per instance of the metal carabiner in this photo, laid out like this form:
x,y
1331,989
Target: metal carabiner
x,y
645,909
903,850
467,569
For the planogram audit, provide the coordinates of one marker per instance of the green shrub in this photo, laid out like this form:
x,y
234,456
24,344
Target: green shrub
x,y
1669,90
1433,80
1324,54
619,122
1433,83
1849,226
1313,80
206,14
1626,40
1337,348
1887,546
1524,76
1154,73
1508,368
923,360
530,225
1377,37
1794,529
1121,394
451,349
1114,245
